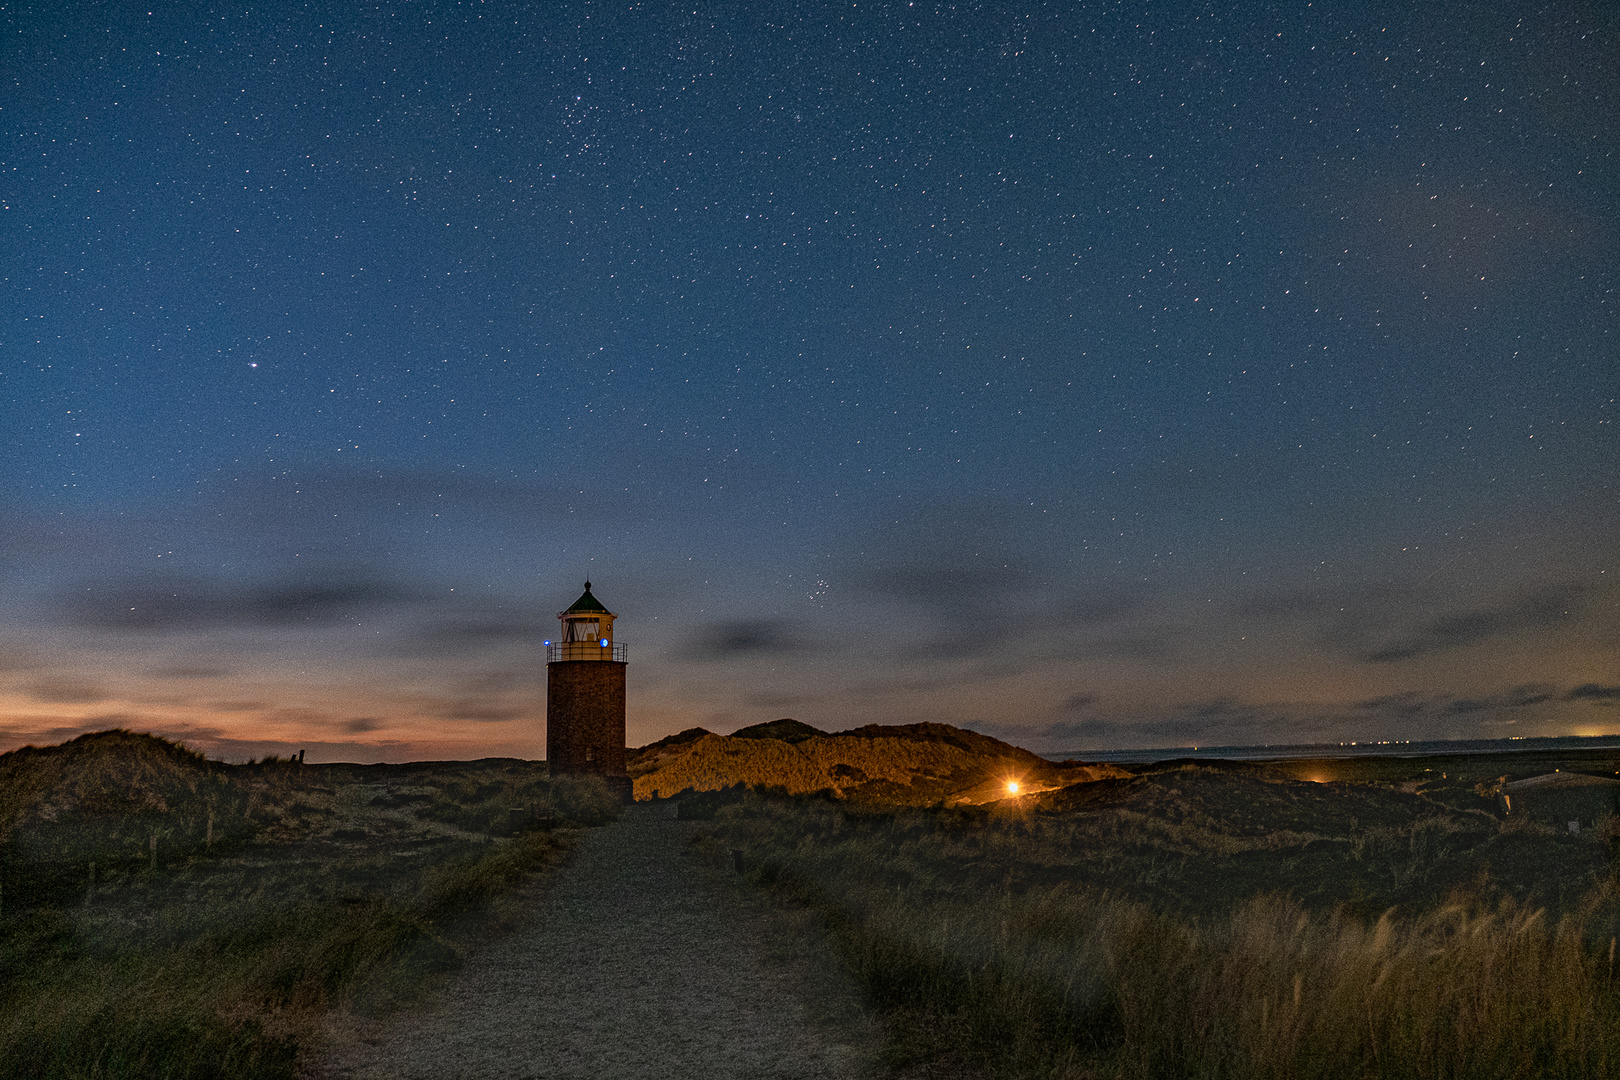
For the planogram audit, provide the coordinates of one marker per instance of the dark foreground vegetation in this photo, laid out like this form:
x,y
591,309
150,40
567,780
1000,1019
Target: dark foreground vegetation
x,y
1209,920
166,916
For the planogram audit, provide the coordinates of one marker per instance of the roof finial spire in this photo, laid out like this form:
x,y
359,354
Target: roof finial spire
x,y
587,586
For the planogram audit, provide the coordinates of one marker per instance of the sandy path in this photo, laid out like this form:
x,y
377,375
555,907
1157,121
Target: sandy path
x,y
639,961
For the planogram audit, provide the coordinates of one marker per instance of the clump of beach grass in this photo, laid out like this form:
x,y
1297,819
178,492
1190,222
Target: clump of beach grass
x,y
988,960
217,985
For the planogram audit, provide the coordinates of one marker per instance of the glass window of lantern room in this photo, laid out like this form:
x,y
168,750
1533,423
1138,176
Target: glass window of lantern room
x,y
581,630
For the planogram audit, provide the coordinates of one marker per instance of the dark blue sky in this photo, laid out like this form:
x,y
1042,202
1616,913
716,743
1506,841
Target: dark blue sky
x,y
1092,375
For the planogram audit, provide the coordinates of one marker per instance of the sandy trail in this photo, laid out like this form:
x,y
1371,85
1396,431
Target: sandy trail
x,y
639,961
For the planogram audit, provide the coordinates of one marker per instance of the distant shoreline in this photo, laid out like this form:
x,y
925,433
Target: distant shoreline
x,y
1298,751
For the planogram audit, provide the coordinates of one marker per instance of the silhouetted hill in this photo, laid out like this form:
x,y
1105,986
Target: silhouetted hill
x,y
909,764
789,731
669,742
110,791
106,773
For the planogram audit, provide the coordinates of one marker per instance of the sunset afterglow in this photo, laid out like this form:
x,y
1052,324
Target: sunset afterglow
x,y
1110,384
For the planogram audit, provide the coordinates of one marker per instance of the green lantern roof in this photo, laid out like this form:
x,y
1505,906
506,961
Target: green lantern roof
x,y
586,604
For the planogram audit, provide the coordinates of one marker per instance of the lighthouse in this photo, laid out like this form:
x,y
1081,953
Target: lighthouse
x,y
585,695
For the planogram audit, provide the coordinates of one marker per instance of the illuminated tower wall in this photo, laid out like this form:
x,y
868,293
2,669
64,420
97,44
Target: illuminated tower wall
x,y
585,671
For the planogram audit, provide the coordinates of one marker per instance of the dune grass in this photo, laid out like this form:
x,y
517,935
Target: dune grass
x,y
184,980
171,985
986,965
197,961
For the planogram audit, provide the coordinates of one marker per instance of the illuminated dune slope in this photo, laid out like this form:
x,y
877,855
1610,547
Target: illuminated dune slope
x,y
910,764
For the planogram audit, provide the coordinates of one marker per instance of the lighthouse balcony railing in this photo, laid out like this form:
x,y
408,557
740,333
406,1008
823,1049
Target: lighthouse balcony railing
x,y
585,650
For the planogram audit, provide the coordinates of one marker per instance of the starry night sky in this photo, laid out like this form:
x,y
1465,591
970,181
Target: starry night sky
x,y
1092,375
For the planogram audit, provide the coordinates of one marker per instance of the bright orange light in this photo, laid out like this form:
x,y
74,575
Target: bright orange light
x,y
1012,787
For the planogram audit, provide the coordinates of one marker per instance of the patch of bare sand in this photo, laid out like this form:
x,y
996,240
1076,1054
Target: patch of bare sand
x,y
640,960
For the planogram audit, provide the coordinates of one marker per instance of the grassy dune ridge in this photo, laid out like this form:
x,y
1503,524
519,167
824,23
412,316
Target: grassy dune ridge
x,y
1023,944
905,764
274,892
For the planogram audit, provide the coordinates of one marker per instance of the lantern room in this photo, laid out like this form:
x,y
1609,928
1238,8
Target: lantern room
x,y
586,632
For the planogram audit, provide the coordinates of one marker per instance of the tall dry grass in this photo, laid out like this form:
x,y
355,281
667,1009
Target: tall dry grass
x,y
228,986
1273,991
1051,979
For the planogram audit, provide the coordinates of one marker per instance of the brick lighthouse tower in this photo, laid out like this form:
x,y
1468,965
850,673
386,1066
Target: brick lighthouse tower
x,y
585,695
